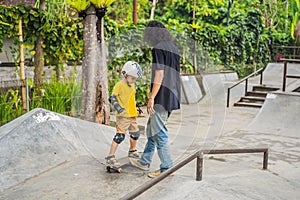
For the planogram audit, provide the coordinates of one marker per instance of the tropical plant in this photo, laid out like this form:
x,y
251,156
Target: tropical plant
x,y
294,12
79,5
102,3
10,106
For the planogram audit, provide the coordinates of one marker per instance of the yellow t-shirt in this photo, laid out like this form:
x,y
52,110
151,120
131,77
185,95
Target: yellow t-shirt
x,y
126,98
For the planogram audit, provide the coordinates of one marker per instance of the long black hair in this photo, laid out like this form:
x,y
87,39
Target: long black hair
x,y
156,32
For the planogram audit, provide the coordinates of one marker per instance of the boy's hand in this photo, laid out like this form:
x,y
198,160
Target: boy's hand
x,y
123,112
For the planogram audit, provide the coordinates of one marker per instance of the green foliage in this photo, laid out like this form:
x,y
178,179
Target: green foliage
x,y
102,3
294,12
59,96
61,33
79,5
10,106
142,91
121,11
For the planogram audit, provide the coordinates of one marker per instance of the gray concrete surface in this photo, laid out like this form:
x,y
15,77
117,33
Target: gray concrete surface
x,y
45,155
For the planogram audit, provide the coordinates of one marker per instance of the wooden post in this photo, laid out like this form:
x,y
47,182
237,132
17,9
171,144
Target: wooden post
x,y
22,70
199,166
265,161
134,13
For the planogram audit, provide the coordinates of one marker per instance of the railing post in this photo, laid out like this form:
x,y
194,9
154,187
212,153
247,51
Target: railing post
x,y
265,161
284,76
261,78
228,96
246,87
199,166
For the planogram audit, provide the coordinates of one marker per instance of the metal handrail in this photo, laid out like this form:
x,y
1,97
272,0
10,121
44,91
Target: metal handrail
x,y
285,75
199,166
246,85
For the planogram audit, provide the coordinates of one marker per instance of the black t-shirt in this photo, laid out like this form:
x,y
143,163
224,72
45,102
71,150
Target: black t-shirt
x,y
165,56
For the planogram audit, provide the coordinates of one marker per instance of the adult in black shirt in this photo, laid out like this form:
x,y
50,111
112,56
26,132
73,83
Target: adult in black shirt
x,y
164,96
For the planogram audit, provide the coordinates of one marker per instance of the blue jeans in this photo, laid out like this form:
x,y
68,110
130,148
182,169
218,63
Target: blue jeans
x,y
157,134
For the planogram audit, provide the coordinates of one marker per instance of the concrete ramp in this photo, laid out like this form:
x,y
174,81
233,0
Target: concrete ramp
x,y
41,140
279,115
194,87
273,75
190,90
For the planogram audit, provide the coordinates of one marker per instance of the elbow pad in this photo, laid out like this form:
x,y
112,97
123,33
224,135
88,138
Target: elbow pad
x,y
113,100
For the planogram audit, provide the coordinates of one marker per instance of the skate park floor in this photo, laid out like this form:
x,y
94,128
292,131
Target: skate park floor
x,y
45,155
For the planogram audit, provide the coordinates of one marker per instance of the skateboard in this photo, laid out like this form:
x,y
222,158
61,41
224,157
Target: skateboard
x,y
123,161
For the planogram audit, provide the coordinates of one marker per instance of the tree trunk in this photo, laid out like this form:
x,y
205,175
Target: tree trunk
x,y
39,65
102,104
39,59
89,65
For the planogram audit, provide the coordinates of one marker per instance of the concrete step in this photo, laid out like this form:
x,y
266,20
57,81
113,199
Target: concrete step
x,y
248,104
252,99
257,93
264,88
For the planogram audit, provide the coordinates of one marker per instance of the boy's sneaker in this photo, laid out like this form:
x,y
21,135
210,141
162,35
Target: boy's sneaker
x,y
112,161
134,154
154,174
137,164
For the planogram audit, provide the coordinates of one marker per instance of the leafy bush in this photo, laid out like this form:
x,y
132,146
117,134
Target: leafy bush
x,y
63,96
10,106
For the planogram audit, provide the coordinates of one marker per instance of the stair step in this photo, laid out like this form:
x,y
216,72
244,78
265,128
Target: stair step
x,y
252,99
264,88
256,105
257,93
297,89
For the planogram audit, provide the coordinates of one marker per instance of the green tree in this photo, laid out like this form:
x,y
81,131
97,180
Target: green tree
x,y
94,76
122,11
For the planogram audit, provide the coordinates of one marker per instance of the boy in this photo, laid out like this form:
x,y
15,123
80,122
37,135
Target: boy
x,y
123,100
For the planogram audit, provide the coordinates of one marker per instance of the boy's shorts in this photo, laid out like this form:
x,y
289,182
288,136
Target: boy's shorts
x,y
126,123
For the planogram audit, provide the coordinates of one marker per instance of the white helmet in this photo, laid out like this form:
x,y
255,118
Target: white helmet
x,y
132,68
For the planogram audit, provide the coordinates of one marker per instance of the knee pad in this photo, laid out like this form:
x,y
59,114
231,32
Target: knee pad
x,y
119,138
135,135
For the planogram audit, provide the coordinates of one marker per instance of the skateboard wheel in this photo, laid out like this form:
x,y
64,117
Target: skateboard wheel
x,y
119,170
108,169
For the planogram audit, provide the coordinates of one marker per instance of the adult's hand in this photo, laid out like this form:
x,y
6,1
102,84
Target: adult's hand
x,y
150,109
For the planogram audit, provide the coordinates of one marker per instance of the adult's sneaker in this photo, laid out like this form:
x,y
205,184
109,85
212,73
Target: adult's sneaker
x,y
154,174
139,165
